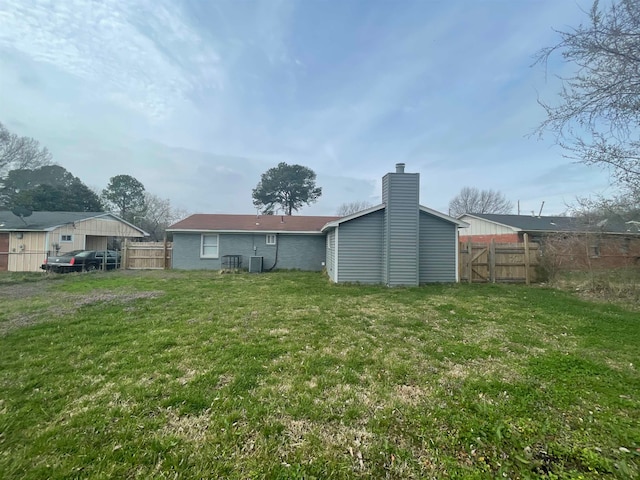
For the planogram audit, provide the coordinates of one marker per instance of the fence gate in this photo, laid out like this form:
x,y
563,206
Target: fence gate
x,y
498,262
147,255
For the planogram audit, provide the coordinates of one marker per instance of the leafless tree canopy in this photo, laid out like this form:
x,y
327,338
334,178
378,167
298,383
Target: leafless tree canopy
x,y
159,214
352,207
620,208
598,118
473,200
20,152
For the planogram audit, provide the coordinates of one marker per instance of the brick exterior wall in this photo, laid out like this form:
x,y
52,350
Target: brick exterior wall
x,y
501,238
601,251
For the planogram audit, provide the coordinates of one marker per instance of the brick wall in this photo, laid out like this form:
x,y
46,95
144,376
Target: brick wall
x,y
502,238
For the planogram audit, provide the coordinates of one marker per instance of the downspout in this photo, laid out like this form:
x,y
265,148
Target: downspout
x,y
275,262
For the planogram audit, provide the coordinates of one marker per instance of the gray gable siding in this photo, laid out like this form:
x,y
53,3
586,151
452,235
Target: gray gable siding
x,y
437,249
302,252
359,249
401,228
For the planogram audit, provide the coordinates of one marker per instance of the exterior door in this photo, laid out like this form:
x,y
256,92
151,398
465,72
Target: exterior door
x,y
4,252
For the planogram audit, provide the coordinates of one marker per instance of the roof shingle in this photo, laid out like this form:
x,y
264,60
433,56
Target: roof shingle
x,y
530,223
251,223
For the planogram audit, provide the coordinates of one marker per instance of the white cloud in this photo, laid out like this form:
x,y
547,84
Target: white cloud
x,y
142,55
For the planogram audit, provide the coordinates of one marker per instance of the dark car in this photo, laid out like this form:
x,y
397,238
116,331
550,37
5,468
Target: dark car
x,y
82,261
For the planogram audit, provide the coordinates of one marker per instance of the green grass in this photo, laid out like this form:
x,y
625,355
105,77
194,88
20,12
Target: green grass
x,y
284,375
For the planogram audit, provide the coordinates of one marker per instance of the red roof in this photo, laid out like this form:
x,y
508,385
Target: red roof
x,y
252,223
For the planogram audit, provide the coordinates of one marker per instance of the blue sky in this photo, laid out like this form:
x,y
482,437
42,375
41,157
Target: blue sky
x,y
197,98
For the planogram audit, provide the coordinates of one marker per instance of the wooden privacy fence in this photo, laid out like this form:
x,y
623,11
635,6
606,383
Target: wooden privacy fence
x,y
499,262
147,255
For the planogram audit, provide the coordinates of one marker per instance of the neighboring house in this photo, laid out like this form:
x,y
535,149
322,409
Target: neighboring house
x,y
26,241
396,243
613,243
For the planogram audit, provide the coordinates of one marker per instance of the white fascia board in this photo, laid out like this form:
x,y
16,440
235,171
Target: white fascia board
x,y
435,213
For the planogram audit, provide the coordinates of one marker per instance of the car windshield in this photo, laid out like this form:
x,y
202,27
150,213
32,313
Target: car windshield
x,y
83,253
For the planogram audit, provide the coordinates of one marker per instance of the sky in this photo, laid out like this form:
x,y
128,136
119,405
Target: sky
x,y
197,98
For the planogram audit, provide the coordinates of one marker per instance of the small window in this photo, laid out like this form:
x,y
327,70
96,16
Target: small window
x,y
66,238
271,239
209,246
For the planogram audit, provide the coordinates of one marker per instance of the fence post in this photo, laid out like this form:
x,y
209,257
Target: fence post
x,y
526,259
470,260
164,254
492,260
125,254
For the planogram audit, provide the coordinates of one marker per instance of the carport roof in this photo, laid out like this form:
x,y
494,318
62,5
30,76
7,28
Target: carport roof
x,y
47,221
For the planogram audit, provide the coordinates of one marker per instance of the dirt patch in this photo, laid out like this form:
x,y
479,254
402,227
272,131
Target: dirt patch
x,y
24,290
109,297
65,304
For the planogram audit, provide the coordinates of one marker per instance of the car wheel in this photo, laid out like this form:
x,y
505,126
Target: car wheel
x,y
91,267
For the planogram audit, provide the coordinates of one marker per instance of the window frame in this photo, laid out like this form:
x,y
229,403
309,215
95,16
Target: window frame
x,y
63,235
271,236
203,244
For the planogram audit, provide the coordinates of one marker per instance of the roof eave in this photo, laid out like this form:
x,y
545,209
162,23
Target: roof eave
x,y
435,213
347,218
207,230
514,228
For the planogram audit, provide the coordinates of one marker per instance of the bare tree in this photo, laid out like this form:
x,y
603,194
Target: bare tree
x,y
598,118
159,214
352,207
473,200
619,208
20,152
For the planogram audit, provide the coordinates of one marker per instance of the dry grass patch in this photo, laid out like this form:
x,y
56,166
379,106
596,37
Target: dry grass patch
x,y
191,428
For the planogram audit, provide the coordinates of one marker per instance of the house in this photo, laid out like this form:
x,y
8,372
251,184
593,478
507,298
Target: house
x,y
398,242
218,241
25,241
577,240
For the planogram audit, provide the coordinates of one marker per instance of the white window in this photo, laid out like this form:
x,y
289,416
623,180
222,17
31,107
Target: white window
x,y
271,239
66,238
209,246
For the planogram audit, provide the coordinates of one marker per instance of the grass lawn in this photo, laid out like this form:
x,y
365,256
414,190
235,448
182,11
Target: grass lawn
x,y
283,375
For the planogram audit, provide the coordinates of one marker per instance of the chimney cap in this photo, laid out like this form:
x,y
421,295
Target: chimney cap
x,y
399,167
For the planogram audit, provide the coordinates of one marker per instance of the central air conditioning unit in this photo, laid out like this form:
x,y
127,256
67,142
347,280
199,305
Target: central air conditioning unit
x,y
255,264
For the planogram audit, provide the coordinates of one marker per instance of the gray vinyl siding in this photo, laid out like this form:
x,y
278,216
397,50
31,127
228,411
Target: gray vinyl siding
x,y
401,228
437,249
295,251
360,249
331,255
